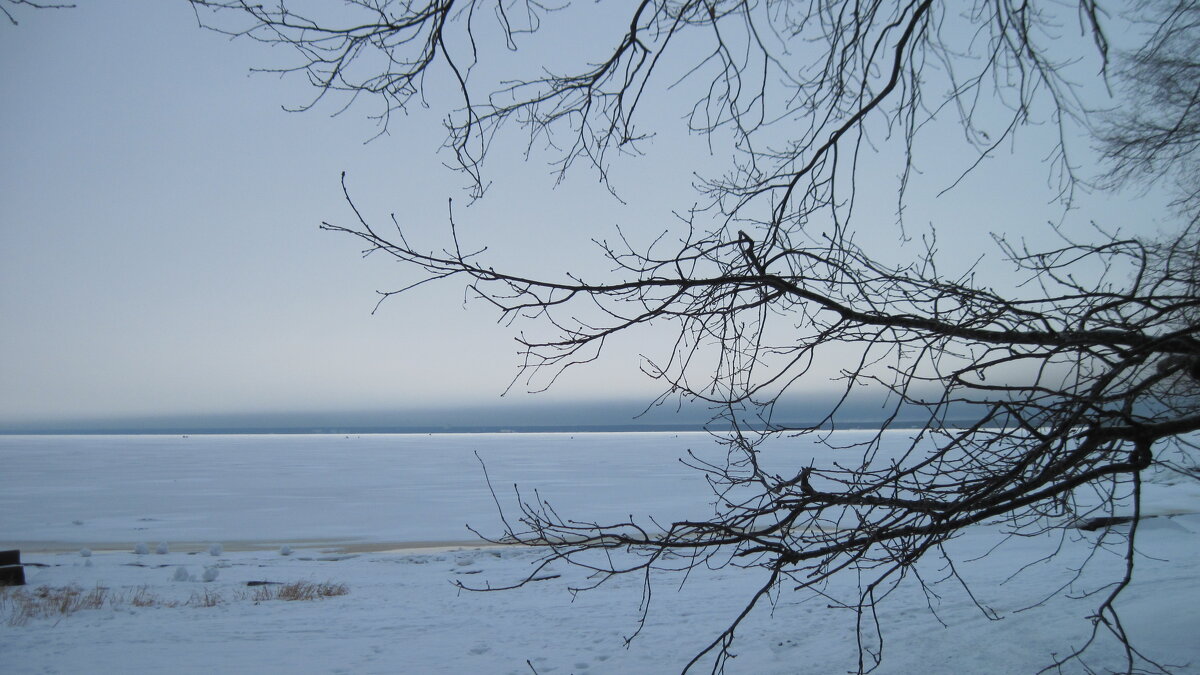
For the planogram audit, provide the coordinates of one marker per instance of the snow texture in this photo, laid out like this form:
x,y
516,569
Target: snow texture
x,y
403,614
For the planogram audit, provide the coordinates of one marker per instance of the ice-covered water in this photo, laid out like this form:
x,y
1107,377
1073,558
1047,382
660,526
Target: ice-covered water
x,y
98,489
101,490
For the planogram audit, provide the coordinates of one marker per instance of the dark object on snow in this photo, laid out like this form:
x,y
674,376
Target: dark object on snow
x,y
12,573
264,583
1093,524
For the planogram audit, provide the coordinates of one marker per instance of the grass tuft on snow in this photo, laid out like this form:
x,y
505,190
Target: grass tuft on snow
x,y
19,606
299,590
23,605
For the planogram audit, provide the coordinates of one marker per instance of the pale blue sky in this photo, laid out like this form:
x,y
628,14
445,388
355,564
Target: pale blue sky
x,y
159,249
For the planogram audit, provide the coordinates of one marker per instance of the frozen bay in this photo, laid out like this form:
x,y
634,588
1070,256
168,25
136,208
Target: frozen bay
x,y
61,492
98,490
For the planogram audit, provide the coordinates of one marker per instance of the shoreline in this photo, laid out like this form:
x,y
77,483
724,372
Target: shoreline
x,y
324,545
450,430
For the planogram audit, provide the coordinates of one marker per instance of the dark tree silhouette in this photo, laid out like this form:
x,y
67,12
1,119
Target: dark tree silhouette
x,y
1043,404
1157,134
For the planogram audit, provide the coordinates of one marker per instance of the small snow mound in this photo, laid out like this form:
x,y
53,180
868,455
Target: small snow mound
x,y
181,574
216,549
85,552
285,550
162,548
210,574
141,549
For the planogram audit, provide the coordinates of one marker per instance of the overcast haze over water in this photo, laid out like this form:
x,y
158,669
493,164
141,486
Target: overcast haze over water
x,y
405,487
622,415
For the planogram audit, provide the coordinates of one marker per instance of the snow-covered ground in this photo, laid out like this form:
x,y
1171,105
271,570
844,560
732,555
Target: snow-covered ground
x,y
338,500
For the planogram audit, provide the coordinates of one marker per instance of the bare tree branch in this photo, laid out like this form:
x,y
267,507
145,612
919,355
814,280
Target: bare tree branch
x,y
1041,405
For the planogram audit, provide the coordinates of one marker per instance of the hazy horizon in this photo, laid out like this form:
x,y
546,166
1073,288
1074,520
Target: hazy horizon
x,y
625,414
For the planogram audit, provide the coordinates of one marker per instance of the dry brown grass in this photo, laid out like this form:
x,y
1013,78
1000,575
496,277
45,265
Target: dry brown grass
x,y
21,605
299,590
205,598
142,597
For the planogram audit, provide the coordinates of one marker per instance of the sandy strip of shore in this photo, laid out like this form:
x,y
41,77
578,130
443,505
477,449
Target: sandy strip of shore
x,y
324,545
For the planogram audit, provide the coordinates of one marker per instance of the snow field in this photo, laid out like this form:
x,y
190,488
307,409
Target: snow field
x,y
404,614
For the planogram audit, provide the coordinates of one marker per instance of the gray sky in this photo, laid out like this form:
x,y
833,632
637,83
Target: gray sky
x,y
159,249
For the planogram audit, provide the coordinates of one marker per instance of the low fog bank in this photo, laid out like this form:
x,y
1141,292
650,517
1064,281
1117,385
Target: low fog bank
x,y
522,416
